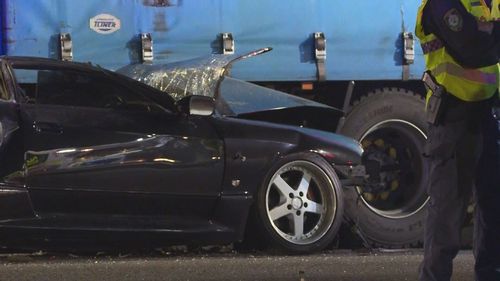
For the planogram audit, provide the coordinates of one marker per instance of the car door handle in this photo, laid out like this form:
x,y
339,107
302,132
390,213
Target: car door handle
x,y
46,127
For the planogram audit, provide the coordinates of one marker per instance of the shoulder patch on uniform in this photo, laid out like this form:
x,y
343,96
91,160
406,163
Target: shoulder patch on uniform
x,y
453,19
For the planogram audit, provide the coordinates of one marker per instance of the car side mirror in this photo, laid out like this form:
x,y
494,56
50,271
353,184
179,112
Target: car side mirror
x,y
197,105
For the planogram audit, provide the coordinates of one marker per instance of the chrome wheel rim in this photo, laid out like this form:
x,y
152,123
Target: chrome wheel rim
x,y
301,202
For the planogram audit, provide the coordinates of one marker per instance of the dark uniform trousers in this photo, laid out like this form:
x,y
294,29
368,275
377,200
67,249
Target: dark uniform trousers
x,y
462,156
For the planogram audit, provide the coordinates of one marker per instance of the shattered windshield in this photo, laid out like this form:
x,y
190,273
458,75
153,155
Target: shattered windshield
x,y
239,97
182,79
207,76
199,76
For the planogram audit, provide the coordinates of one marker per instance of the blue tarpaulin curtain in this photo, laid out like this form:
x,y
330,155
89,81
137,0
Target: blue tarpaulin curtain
x,y
2,29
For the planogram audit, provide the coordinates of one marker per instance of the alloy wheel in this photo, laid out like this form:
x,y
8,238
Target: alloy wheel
x,y
299,202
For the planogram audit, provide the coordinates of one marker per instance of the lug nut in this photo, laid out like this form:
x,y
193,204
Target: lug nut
x,y
368,196
301,194
366,143
394,185
305,205
384,195
298,213
291,195
393,153
289,207
379,142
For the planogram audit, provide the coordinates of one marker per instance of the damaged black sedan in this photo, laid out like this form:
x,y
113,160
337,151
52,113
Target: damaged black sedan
x,y
87,152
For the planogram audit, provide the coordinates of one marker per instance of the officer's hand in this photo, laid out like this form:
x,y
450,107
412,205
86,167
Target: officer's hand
x,y
485,27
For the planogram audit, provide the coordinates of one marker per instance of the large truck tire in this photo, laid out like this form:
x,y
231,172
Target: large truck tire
x,y
390,125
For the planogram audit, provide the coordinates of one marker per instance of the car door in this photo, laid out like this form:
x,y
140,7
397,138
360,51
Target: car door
x,y
10,153
14,199
99,146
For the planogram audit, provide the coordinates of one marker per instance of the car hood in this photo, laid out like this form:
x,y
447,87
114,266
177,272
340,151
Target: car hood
x,y
337,149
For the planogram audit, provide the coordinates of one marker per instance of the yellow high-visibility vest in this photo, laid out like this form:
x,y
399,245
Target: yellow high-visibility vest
x,y
468,84
495,10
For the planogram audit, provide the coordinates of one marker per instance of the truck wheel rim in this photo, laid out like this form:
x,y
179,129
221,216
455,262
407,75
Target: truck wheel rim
x,y
396,145
301,202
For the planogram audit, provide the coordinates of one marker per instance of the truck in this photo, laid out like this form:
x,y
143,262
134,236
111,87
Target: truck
x,y
358,56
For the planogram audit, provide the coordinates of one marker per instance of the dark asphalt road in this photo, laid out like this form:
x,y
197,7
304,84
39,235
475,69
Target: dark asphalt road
x,y
331,266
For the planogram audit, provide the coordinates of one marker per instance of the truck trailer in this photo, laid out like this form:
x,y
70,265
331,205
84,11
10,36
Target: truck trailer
x,y
359,56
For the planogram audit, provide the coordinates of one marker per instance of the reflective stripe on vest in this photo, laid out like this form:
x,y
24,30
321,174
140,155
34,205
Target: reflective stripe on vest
x,y
473,75
464,83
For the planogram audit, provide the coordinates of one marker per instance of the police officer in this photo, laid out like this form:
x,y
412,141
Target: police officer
x,y
460,40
